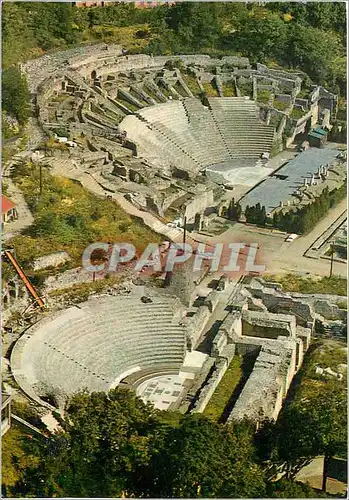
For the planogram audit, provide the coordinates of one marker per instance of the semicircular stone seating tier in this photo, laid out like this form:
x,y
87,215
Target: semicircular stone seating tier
x,y
96,345
186,134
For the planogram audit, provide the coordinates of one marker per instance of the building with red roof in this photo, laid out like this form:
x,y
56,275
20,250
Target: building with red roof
x,y
8,209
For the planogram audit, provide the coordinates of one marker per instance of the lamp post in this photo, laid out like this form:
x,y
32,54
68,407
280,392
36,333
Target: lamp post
x,y
185,230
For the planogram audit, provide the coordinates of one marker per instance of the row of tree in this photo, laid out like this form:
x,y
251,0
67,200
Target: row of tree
x,y
116,446
304,219
338,132
256,215
234,210
298,221
15,96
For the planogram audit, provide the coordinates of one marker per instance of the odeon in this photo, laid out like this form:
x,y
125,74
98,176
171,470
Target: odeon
x,y
97,345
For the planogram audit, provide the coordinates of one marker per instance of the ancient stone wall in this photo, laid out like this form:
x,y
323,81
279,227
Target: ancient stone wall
x,y
196,323
52,260
211,384
267,325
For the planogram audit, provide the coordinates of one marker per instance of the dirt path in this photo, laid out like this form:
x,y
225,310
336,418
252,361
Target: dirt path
x,y
25,217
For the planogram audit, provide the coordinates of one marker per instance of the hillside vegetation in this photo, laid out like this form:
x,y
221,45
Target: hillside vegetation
x,y
336,285
310,36
68,217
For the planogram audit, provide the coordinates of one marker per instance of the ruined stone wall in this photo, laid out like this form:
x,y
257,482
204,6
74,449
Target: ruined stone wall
x,y
52,260
212,300
14,299
219,342
267,325
262,396
195,324
232,325
207,390
199,204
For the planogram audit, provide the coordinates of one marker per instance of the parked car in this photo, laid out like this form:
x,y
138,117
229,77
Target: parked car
x,y
291,237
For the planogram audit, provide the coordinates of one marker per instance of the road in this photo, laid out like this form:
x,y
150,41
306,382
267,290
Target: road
x,y
291,256
281,257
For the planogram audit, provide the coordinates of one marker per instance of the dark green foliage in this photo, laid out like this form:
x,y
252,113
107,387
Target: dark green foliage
x,y
202,459
256,215
308,36
260,38
328,15
304,219
313,421
15,94
114,445
314,51
234,210
291,489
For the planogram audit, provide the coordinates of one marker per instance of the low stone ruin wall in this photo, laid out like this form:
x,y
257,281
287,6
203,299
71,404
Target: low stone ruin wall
x,y
211,384
267,325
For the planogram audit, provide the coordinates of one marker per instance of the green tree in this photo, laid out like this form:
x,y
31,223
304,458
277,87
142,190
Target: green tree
x,y
314,51
291,489
105,438
234,210
260,38
114,445
15,94
312,426
202,459
196,25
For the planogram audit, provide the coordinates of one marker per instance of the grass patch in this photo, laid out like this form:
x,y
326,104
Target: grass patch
x,y
280,105
67,217
309,384
246,89
224,390
263,96
304,93
138,97
178,87
151,94
192,83
297,113
129,105
210,89
229,89
293,283
164,90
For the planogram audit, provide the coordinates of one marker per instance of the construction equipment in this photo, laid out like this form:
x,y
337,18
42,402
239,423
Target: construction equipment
x,y
9,254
